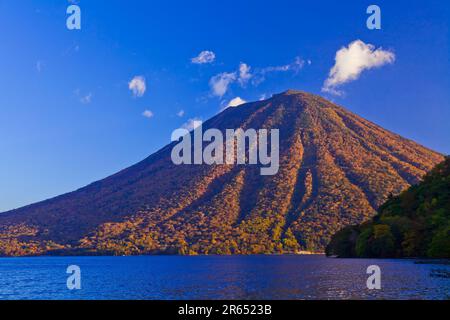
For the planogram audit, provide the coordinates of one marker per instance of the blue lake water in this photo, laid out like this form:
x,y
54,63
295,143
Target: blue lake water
x,y
219,277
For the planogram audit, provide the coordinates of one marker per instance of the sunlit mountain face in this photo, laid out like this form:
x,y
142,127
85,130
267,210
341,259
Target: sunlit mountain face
x,y
335,169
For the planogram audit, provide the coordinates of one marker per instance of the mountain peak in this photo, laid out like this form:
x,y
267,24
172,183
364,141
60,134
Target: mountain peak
x,y
293,92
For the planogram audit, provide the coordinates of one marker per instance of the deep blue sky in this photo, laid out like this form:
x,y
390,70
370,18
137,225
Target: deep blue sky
x,y
53,141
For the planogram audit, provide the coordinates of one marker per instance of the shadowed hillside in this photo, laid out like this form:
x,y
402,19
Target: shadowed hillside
x,y
336,169
414,224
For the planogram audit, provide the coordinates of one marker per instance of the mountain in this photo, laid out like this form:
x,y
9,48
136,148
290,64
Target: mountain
x,y
415,223
336,169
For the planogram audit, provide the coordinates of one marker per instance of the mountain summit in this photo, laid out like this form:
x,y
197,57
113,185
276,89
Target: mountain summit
x,y
335,169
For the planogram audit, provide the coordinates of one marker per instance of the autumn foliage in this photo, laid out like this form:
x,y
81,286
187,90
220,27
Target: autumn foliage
x,y
336,169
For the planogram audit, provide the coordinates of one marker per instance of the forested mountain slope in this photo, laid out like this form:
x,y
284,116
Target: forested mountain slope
x,y
336,169
414,224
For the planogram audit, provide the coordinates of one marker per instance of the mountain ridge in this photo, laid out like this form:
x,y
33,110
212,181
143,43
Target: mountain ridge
x,y
336,168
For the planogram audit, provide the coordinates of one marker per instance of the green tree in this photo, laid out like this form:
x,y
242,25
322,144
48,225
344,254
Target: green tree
x,y
382,244
290,242
440,244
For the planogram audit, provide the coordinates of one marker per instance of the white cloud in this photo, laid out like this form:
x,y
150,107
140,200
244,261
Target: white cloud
x,y
137,86
244,73
180,113
204,57
233,103
236,102
39,66
219,83
352,60
295,66
86,99
148,114
191,124
263,97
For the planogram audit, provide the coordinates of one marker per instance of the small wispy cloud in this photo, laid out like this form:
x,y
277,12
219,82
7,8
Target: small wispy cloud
x,y
73,48
39,66
351,61
294,66
235,102
137,86
219,83
86,99
244,73
204,57
148,114
263,97
192,124
180,113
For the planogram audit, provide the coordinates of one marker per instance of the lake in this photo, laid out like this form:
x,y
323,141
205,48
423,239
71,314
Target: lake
x,y
220,277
